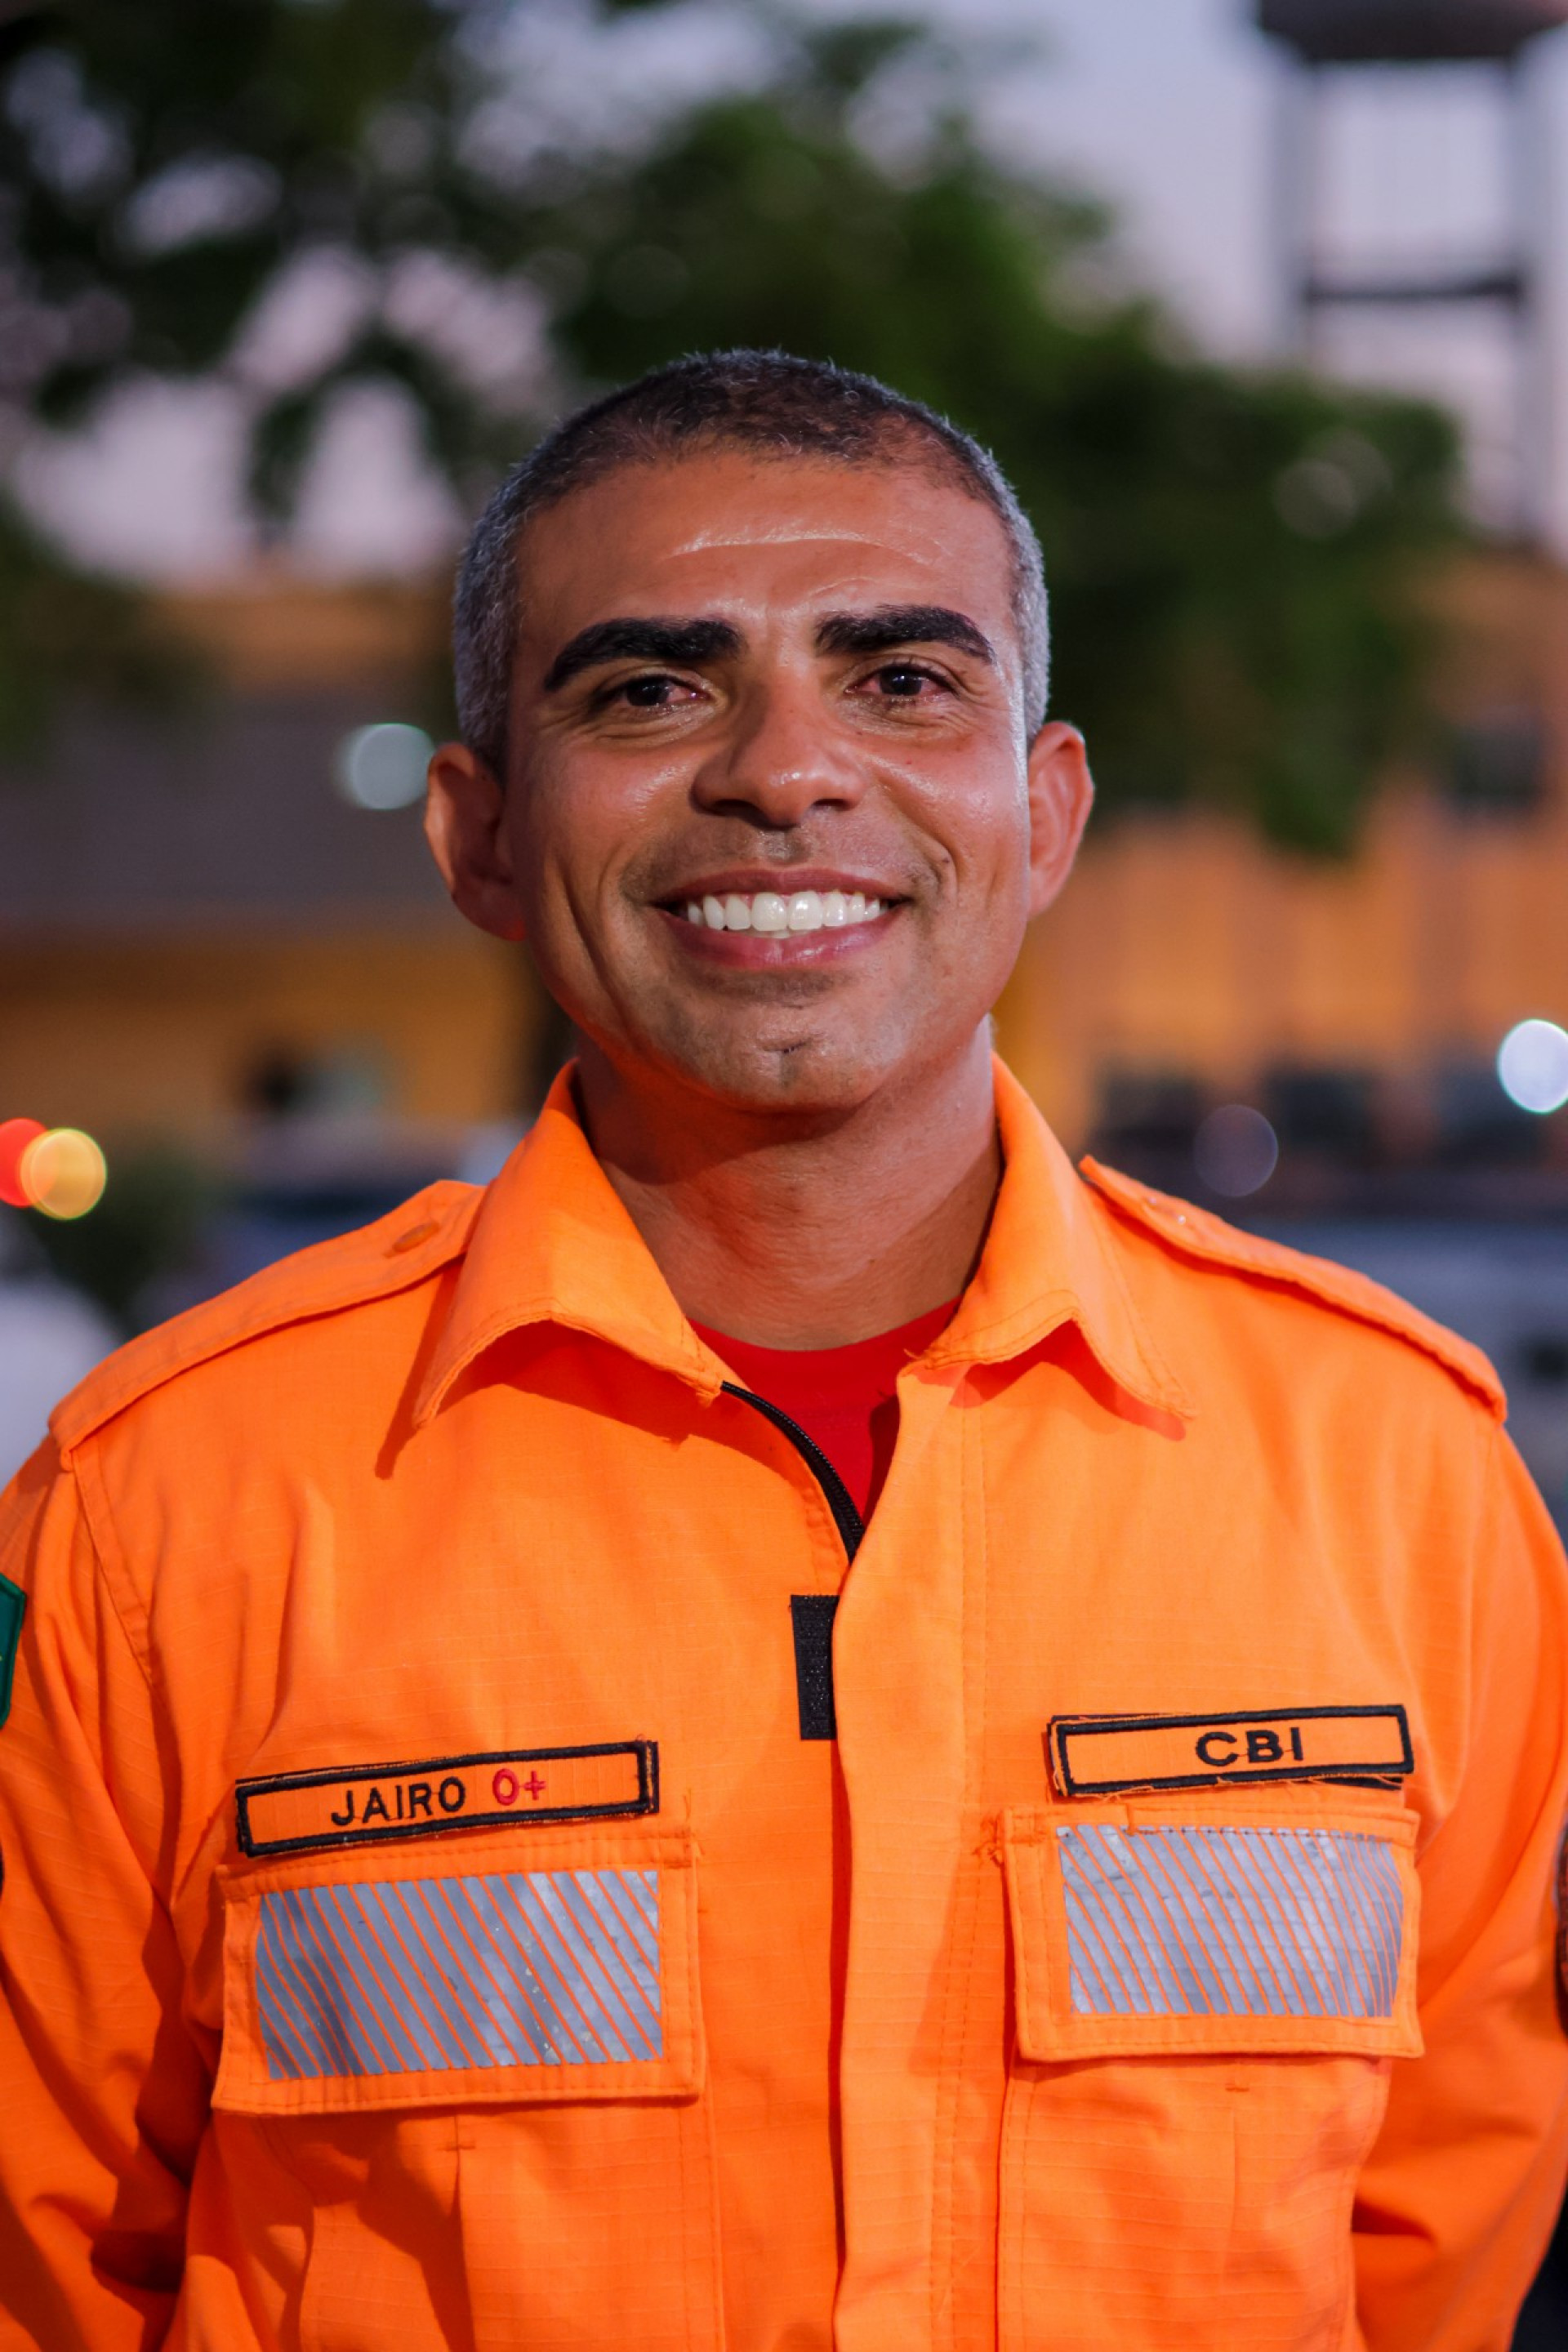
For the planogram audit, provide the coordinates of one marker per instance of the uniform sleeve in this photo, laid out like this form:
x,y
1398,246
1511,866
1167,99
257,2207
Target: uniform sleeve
x,y
104,2092
1458,2201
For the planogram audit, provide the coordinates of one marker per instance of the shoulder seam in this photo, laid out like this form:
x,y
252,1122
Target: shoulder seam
x,y
1155,1354
112,1572
206,1332
1195,1232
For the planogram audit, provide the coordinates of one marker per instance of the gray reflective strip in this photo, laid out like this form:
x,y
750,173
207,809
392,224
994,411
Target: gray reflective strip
x,y
1191,1921
416,1976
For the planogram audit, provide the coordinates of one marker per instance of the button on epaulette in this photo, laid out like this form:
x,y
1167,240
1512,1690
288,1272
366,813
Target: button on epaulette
x,y
422,1231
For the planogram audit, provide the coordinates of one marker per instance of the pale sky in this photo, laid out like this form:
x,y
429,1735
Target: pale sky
x,y
1168,108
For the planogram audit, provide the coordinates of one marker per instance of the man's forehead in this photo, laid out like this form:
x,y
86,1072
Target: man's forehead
x,y
774,529
798,526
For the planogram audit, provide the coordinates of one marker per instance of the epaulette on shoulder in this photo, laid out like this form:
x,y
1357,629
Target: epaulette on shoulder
x,y
412,1241
1193,1232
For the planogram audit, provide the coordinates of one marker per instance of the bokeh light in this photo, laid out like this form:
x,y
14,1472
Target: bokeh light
x,y
383,766
63,1172
1236,1150
16,1136
1532,1066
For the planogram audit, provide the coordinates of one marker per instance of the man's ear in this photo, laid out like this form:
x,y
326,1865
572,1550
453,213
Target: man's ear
x,y
1061,793
465,825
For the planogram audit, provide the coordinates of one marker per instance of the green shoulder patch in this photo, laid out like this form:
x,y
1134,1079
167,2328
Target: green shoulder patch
x,y
13,1609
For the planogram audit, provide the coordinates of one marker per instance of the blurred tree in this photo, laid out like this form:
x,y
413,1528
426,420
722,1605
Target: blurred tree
x,y
58,623
161,168
164,169
1236,559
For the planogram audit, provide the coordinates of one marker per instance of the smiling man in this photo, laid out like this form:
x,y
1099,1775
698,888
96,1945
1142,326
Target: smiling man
x,y
798,1725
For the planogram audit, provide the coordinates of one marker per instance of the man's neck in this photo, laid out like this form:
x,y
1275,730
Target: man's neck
x,y
805,1233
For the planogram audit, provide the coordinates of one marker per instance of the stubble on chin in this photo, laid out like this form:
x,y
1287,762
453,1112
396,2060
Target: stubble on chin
x,y
781,1055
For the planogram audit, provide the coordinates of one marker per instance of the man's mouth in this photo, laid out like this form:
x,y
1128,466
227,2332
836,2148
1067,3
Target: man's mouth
x,y
775,913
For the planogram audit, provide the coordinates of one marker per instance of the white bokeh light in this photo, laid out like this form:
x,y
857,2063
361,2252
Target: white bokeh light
x,y
1532,1065
1236,1150
383,766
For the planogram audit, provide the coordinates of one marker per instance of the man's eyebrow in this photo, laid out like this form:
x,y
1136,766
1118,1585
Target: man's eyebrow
x,y
683,644
891,625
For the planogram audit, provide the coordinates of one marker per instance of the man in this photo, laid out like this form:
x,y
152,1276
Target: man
x,y
794,1726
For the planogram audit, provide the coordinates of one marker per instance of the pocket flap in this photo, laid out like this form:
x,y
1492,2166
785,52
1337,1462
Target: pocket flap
x,y
1253,1926
429,1977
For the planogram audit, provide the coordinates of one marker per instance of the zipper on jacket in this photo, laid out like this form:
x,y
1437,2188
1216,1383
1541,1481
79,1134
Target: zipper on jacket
x,y
812,1613
845,1517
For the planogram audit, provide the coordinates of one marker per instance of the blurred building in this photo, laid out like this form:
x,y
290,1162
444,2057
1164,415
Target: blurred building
x,y
1360,1005
1404,285
200,928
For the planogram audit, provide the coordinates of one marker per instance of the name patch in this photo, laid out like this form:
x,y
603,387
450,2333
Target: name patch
x,y
1103,1755
366,1804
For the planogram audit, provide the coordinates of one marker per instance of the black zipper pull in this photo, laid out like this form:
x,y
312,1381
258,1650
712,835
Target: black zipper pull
x,y
812,1613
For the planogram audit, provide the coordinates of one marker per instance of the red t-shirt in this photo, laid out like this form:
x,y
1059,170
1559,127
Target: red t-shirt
x,y
844,1398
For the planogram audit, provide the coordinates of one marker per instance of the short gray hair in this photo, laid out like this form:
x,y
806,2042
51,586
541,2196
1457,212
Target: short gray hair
x,y
768,401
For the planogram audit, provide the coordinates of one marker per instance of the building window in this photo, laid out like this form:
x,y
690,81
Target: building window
x,y
1497,763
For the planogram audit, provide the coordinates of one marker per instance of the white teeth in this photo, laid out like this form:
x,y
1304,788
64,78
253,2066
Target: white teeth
x,y
770,911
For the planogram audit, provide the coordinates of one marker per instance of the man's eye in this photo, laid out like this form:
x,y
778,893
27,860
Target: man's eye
x,y
903,682
654,692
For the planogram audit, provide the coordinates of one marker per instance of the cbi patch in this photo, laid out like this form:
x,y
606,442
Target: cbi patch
x,y
368,1804
1106,1755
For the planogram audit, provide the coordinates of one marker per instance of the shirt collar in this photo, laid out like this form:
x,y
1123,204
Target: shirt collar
x,y
1049,1259
552,1244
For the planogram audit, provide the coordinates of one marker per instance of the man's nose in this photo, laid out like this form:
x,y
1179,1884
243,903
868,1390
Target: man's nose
x,y
783,758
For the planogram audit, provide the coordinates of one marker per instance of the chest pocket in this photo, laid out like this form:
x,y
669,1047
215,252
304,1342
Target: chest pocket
x,y
458,2049
1208,1993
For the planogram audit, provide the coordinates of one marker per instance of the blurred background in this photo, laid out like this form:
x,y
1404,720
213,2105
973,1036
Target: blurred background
x,y
1263,304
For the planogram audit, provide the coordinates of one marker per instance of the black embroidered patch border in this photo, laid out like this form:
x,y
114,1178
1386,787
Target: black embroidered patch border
x,y
295,1812
813,1614
1108,1755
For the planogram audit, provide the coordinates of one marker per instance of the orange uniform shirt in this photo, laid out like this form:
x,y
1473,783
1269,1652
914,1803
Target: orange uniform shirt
x,y
424,1924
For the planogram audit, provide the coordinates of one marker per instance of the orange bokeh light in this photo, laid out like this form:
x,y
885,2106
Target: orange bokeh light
x,y
63,1172
17,1138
